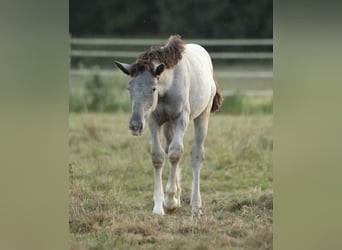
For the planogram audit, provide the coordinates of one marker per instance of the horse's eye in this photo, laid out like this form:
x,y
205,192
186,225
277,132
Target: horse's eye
x,y
153,89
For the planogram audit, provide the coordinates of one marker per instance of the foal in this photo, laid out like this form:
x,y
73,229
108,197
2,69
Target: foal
x,y
170,86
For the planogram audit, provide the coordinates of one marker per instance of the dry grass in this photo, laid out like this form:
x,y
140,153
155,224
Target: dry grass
x,y
111,187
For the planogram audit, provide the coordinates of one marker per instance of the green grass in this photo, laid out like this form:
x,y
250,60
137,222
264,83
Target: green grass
x,y
111,187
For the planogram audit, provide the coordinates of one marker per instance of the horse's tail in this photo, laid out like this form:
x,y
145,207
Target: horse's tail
x,y
218,99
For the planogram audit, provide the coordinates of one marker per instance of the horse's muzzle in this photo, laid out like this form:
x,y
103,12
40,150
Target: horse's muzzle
x,y
136,127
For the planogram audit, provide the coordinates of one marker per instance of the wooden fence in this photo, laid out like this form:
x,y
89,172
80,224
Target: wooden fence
x,y
104,48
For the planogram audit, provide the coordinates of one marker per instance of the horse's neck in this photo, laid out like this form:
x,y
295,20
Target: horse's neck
x,y
165,81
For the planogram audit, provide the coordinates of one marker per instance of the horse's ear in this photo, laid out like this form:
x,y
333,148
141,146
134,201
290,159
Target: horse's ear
x,y
126,68
159,69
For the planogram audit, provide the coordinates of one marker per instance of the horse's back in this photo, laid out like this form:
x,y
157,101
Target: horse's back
x,y
202,84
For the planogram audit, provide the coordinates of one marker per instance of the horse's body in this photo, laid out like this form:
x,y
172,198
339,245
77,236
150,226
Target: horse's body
x,y
170,86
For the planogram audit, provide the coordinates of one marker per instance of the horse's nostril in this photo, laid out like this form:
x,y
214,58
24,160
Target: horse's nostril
x,y
135,126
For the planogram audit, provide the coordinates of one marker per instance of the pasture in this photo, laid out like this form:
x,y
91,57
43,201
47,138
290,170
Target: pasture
x,y
111,187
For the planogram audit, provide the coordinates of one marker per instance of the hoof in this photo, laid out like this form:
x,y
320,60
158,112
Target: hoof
x,y
197,212
170,210
171,207
158,211
171,204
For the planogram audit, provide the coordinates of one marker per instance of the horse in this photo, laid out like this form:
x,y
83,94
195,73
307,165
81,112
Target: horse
x,y
169,86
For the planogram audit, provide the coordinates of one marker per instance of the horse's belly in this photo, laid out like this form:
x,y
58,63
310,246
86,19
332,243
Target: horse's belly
x,y
202,84
200,97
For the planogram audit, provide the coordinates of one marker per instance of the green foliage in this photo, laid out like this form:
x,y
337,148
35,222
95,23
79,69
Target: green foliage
x,y
191,18
259,108
233,104
95,93
239,104
216,18
99,95
76,101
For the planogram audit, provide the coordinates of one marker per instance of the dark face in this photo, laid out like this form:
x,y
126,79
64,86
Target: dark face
x,y
144,98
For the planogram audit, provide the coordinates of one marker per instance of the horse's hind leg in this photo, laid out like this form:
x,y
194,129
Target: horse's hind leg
x,y
168,134
197,157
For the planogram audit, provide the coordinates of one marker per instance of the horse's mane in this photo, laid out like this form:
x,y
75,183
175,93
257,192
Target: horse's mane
x,y
169,55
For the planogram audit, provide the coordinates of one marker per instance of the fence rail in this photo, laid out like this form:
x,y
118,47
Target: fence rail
x,y
148,42
135,42
266,92
99,48
133,54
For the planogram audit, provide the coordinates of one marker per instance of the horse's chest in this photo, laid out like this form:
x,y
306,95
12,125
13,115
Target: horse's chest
x,y
166,112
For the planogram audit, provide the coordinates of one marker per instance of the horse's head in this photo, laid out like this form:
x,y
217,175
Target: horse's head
x,y
143,91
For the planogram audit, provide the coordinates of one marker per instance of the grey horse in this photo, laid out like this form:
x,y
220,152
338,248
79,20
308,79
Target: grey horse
x,y
171,85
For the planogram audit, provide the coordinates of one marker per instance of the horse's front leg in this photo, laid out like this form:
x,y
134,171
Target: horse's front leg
x,y
157,156
175,152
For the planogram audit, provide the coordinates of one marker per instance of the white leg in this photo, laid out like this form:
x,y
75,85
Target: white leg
x,y
157,156
168,134
173,189
158,195
175,152
197,157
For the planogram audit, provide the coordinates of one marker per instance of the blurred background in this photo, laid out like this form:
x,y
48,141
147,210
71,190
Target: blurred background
x,y
237,34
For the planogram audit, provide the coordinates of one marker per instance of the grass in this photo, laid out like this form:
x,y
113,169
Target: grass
x,y
111,187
